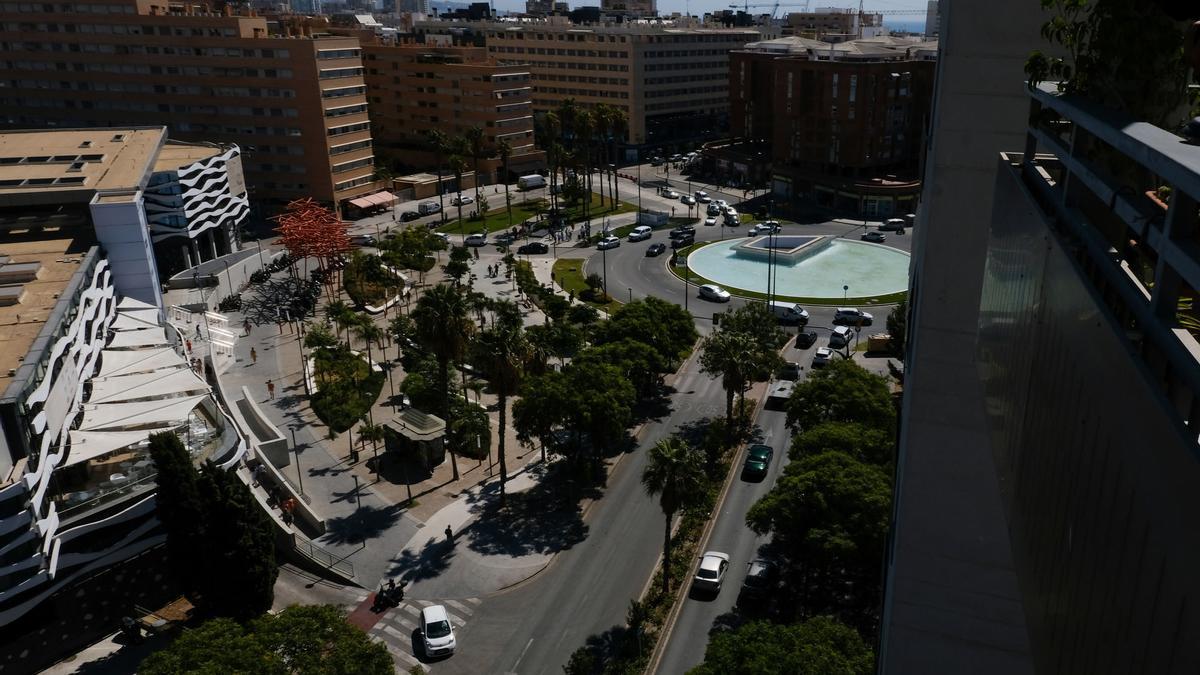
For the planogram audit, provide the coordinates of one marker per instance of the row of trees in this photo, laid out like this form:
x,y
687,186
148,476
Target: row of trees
x,y
582,139
454,151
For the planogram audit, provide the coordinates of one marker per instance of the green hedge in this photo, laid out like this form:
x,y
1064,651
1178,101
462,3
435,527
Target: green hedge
x,y
346,388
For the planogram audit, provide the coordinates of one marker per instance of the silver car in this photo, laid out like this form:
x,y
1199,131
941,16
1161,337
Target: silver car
x,y
711,572
715,293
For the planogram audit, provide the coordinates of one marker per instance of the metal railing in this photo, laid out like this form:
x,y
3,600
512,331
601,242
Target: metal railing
x,y
321,556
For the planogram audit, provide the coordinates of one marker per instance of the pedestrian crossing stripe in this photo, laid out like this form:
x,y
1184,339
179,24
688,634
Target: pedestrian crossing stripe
x,y
460,607
399,653
474,601
411,625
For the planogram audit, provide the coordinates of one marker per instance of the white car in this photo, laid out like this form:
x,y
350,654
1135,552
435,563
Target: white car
x,y
477,239
607,243
769,227
710,221
852,316
711,572
822,358
437,633
640,233
462,200
873,236
715,293
688,199
705,199
443,236
671,194
721,203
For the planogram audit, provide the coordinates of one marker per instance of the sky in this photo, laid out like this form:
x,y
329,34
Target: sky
x,y
703,6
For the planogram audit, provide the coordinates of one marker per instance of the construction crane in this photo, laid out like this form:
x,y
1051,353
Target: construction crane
x,y
746,6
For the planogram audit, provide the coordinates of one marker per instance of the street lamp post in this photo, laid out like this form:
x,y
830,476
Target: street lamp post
x,y
845,292
631,294
296,452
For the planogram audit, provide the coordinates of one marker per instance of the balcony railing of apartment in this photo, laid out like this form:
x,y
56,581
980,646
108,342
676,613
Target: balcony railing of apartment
x,y
1101,177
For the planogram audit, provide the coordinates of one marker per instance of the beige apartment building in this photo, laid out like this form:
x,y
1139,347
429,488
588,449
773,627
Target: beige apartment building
x,y
292,98
414,89
672,83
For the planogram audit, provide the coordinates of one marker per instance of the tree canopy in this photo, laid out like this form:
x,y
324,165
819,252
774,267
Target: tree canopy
x,y
819,646
897,325
300,640
873,446
642,364
658,323
755,320
843,391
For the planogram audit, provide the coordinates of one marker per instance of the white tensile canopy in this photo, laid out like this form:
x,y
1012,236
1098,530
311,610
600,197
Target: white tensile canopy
x,y
146,337
87,445
126,362
144,385
118,416
137,319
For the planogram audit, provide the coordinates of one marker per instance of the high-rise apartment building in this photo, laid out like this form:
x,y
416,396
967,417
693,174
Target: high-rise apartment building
x,y
840,124
633,8
294,100
832,24
671,83
932,21
414,89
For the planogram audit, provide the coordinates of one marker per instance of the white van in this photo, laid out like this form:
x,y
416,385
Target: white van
x,y
640,232
531,182
841,336
427,208
731,217
789,313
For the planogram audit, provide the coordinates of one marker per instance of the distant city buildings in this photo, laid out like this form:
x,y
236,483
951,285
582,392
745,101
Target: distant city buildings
x,y
634,8
838,125
832,24
87,370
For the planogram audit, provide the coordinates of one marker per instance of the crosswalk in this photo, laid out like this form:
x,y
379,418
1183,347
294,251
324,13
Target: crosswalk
x,y
397,629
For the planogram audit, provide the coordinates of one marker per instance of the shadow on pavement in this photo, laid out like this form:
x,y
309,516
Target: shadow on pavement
x,y
367,522
603,648
539,520
429,562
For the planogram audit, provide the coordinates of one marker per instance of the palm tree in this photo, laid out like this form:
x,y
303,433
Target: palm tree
x,y
732,356
502,350
441,147
443,327
475,147
366,330
504,150
369,431
585,130
674,474
341,315
457,165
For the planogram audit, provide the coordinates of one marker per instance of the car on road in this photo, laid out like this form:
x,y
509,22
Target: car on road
x,y
806,339
426,208
852,316
437,634
683,241
688,199
533,247
711,572
640,232
713,210
462,200
676,157
409,216
704,198
758,462
503,239
892,225
682,231
363,240
710,222
715,293
607,243
656,161
760,579
876,237
443,236
767,227
670,194
790,370
822,358
655,250
840,337
477,239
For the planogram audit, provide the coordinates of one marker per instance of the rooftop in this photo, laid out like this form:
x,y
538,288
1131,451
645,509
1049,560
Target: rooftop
x,y
21,321
885,47
175,154
70,159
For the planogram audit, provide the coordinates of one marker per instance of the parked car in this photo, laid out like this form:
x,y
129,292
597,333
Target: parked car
x,y
683,242
462,200
640,232
533,247
363,240
715,293
873,236
477,239
852,316
806,339
760,579
607,243
427,208
682,231
711,572
409,216
790,370
840,337
758,462
822,358
710,222
688,199
892,225
437,634
655,250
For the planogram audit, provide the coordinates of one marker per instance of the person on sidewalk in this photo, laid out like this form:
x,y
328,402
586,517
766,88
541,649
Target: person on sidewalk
x,y
253,355
246,327
270,389
449,534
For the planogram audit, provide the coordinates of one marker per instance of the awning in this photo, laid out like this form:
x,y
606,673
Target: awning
x,y
361,202
382,198
127,362
148,337
131,303
87,445
118,416
145,385
132,321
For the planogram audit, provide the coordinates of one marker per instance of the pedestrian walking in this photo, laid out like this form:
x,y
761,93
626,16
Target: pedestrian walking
x,y
270,389
189,345
245,326
198,333
449,534
253,355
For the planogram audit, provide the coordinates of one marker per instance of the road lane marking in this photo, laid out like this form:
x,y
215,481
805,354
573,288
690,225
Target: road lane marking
x,y
461,607
522,656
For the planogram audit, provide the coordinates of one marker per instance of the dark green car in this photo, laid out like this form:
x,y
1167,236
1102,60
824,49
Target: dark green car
x,y
758,460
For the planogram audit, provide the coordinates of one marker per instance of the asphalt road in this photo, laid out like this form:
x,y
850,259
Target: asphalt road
x,y
534,627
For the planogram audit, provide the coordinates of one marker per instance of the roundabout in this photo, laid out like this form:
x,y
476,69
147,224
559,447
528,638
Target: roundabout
x,y
806,268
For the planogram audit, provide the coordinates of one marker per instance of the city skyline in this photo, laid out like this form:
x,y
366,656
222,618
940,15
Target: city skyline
x,y
700,7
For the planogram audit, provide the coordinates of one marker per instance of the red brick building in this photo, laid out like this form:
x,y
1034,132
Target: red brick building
x,y
841,125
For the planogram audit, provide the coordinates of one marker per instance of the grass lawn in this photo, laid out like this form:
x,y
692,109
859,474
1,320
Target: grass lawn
x,y
346,388
692,277
569,274
497,216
